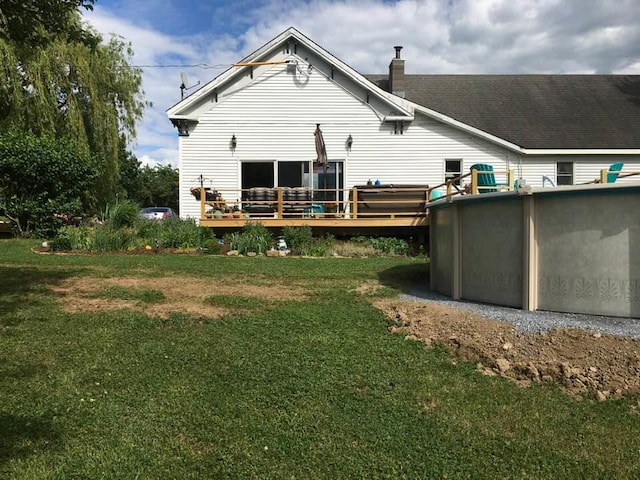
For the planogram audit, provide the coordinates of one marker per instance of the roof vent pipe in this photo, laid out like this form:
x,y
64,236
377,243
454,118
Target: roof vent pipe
x,y
398,48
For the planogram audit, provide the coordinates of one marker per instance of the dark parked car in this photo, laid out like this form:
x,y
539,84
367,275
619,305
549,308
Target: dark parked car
x,y
157,213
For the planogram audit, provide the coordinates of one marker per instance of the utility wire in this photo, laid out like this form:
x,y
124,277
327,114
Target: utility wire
x,y
204,66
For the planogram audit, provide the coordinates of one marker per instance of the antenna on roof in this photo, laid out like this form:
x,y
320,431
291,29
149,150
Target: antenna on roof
x,y
184,79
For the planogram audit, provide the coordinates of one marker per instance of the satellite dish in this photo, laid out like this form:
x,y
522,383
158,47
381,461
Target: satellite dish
x,y
185,81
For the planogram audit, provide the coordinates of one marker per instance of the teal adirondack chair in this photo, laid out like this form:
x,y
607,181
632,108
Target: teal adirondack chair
x,y
614,169
486,178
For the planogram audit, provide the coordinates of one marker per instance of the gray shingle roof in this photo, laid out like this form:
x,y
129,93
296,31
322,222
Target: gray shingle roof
x,y
536,111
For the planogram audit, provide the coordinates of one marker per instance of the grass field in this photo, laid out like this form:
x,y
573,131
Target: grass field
x,y
308,384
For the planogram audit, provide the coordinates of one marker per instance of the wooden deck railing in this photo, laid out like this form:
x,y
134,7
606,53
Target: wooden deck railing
x,y
359,202
455,186
604,174
356,203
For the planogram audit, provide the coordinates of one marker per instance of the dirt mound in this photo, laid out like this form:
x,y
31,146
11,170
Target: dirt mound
x,y
582,362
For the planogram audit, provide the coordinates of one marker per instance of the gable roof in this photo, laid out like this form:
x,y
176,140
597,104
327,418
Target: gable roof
x,y
574,112
273,49
532,114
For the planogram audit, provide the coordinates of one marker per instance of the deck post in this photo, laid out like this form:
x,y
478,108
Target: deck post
x,y
603,175
280,206
202,203
354,207
510,179
474,182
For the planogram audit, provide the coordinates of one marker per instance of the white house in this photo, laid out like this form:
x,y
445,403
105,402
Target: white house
x,y
254,124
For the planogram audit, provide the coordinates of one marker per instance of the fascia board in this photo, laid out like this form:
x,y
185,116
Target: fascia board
x,y
582,151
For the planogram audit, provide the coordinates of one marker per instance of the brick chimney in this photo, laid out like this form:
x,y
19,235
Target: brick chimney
x,y
396,74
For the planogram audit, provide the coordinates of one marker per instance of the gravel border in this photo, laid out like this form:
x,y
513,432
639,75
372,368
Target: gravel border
x,y
533,322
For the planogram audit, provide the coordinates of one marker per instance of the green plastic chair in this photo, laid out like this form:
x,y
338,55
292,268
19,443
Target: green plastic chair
x,y
614,169
486,178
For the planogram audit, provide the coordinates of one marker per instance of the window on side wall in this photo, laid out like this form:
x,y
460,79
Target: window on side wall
x,y
564,173
452,169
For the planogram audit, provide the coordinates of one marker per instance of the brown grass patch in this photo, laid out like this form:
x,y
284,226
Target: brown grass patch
x,y
182,294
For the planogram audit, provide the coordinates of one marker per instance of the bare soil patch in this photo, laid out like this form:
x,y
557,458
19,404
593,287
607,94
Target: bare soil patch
x,y
583,363
182,294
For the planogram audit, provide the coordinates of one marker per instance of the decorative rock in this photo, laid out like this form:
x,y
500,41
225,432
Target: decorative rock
x,y
233,253
597,335
252,254
503,365
273,253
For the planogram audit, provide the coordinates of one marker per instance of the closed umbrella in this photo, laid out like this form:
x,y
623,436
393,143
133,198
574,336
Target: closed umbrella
x,y
321,152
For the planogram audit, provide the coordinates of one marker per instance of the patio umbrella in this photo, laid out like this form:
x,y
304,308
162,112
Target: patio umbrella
x,y
321,152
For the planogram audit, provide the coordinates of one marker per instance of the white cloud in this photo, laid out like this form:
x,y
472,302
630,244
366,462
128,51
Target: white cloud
x,y
439,36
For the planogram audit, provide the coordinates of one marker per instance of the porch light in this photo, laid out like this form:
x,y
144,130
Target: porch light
x,y
234,142
349,142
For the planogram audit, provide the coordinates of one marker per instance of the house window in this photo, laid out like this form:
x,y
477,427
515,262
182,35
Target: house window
x,y
564,173
452,169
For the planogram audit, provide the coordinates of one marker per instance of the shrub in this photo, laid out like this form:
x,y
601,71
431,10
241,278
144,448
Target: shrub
x,y
60,244
174,233
212,247
390,245
78,238
254,238
109,239
298,238
316,248
122,214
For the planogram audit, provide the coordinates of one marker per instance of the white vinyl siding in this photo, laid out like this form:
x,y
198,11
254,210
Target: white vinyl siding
x,y
273,119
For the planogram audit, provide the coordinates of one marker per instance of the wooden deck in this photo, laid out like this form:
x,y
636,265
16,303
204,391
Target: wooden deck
x,y
357,208
320,222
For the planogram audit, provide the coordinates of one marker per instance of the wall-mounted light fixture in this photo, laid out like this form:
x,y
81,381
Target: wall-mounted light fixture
x,y
234,142
349,142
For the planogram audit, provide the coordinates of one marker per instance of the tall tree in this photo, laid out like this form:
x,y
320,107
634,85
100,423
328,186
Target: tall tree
x,y
61,81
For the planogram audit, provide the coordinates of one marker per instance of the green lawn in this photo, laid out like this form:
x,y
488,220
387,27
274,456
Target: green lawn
x,y
312,387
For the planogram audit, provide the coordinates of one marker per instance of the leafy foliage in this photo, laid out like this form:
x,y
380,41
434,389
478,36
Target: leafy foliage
x,y
59,80
124,230
43,181
122,214
158,186
109,239
254,238
298,238
387,245
174,233
36,22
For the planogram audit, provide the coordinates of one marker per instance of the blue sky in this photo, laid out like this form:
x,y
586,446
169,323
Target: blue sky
x,y
439,36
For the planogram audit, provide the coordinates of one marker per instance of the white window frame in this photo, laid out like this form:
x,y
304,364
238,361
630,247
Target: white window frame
x,y
448,174
563,175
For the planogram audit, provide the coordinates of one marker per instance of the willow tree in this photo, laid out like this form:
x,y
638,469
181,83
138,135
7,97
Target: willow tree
x,y
59,79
